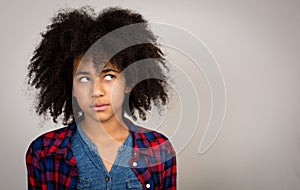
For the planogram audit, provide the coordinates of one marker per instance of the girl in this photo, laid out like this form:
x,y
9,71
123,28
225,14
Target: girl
x,y
90,88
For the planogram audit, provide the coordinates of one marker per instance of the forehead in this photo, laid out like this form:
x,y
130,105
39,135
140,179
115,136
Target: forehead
x,y
87,64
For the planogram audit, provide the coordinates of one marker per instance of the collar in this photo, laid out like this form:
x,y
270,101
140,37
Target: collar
x,y
141,142
59,141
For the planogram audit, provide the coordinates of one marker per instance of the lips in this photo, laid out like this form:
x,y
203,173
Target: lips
x,y
99,107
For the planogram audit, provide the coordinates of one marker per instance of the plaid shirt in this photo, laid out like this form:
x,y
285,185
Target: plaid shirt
x,y
52,165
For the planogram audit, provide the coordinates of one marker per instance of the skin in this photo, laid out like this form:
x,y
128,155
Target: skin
x,y
100,97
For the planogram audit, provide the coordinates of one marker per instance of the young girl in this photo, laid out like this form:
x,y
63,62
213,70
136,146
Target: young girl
x,y
90,92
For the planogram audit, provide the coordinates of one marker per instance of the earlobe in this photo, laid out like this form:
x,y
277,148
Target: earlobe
x,y
73,94
128,89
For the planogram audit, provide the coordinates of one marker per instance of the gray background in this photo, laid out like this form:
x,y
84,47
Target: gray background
x,y
256,44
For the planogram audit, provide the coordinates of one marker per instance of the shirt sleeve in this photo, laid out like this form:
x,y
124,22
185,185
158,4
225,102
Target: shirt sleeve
x,y
34,171
169,174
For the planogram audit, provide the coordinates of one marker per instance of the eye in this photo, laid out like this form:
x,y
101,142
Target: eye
x,y
109,77
84,79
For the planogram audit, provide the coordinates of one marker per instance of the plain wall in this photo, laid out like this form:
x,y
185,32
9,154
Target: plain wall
x,y
256,45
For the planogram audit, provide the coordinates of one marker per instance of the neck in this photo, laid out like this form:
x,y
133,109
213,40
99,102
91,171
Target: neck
x,y
113,128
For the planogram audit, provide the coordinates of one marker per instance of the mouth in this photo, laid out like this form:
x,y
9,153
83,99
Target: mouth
x,y
99,107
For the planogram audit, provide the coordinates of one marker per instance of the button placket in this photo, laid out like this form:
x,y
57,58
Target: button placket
x,y
107,178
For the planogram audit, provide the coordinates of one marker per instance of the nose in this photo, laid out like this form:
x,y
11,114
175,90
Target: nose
x,y
98,89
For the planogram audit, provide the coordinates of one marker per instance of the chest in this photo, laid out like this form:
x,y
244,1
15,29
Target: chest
x,y
98,172
108,154
105,165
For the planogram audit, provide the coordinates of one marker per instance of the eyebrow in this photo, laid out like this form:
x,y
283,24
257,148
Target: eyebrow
x,y
103,71
109,70
82,73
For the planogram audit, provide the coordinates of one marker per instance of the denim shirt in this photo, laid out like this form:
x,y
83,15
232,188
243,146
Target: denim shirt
x,y
92,172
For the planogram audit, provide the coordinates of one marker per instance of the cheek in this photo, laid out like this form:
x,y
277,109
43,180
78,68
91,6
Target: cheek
x,y
75,91
118,92
80,92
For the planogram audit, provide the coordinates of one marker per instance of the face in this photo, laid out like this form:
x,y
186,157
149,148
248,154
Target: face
x,y
100,95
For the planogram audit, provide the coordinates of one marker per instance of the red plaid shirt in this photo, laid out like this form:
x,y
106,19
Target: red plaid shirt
x,y
52,165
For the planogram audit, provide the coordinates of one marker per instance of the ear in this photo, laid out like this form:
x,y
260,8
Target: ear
x,y
128,88
73,94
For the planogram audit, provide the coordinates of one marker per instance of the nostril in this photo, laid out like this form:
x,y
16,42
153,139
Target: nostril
x,y
98,91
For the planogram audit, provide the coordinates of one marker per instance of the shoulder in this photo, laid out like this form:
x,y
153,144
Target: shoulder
x,y
154,144
142,133
145,138
156,136
55,138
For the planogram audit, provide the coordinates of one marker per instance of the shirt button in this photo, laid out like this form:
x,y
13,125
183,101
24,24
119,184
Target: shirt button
x,y
147,185
107,178
134,164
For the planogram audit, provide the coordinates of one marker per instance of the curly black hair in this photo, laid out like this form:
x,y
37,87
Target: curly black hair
x,y
72,33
